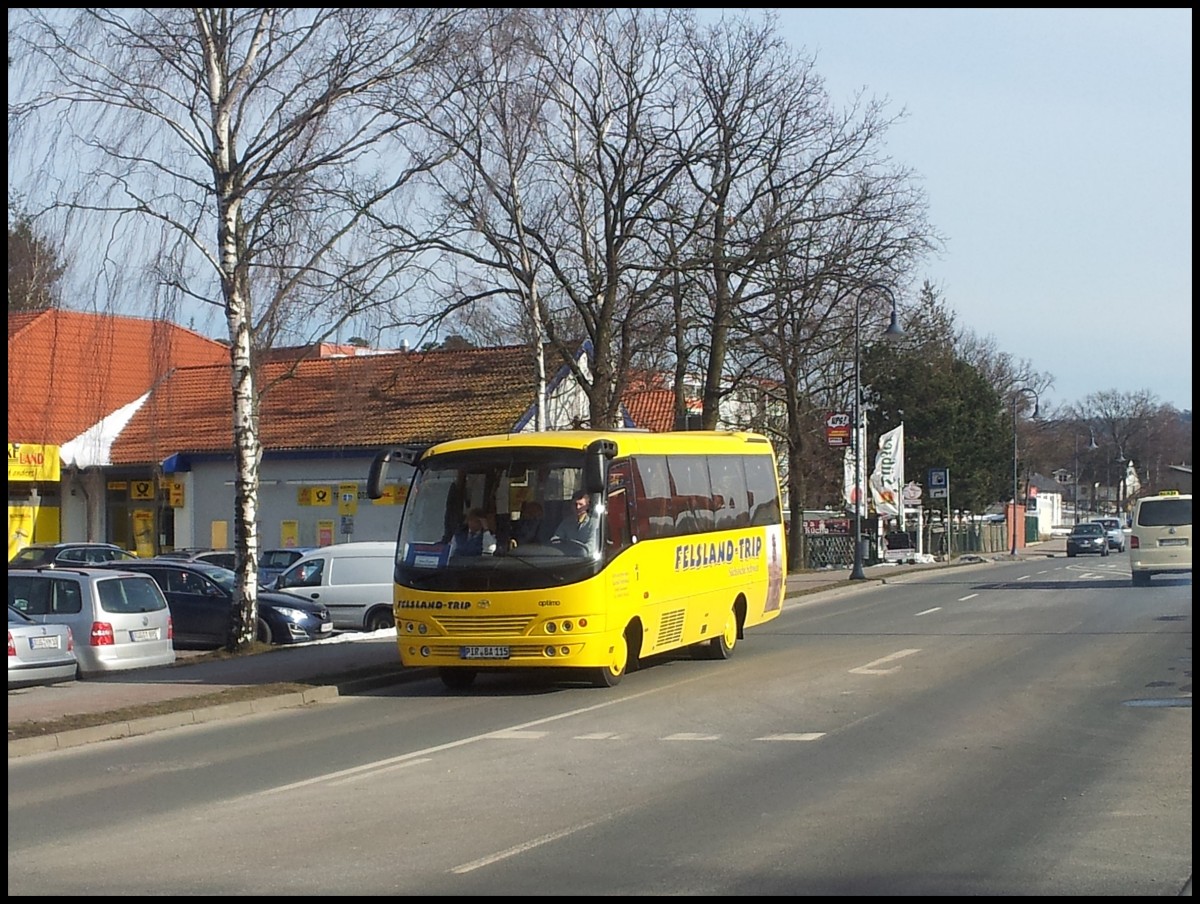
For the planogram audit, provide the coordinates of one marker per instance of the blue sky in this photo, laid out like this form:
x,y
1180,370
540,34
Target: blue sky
x,y
1055,147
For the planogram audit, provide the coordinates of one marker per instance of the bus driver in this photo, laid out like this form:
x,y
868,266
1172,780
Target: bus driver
x,y
580,528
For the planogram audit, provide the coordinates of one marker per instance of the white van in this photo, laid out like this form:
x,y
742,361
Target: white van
x,y
1160,541
354,580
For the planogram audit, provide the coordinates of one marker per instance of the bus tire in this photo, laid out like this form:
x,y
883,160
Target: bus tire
x,y
456,679
721,646
610,675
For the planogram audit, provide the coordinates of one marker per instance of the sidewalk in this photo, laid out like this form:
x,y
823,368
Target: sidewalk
x,y
201,688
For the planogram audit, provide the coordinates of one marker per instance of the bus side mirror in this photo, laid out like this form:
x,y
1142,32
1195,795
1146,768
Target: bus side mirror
x,y
595,464
377,476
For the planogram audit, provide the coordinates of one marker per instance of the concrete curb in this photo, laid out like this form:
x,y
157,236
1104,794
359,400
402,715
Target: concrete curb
x,y
64,740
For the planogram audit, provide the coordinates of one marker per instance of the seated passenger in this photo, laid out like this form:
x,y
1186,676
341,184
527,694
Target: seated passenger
x,y
473,538
528,528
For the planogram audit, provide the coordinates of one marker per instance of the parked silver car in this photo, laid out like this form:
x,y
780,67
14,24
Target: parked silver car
x,y
119,619
38,654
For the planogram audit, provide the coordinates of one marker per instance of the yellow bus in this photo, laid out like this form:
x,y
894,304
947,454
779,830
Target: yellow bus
x,y
646,543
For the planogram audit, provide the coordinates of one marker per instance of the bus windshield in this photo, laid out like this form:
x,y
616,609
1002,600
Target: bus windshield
x,y
499,519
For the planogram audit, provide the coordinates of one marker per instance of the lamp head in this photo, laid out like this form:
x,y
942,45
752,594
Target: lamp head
x,y
894,330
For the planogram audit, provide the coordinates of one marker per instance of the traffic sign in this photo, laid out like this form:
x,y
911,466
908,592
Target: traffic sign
x,y
939,483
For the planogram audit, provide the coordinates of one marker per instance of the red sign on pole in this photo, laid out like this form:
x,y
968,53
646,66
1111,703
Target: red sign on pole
x,y
837,429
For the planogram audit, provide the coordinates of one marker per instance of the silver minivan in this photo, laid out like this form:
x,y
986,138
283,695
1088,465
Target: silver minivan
x,y
354,580
120,620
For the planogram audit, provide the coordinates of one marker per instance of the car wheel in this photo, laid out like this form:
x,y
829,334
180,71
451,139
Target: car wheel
x,y
1070,555
263,634
380,620
1104,552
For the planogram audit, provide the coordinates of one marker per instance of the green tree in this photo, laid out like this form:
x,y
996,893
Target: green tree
x,y
34,264
953,417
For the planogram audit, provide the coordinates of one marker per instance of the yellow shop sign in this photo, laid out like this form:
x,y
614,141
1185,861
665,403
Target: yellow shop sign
x,y
31,461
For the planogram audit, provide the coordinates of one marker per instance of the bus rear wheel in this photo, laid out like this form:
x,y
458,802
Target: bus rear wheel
x,y
457,679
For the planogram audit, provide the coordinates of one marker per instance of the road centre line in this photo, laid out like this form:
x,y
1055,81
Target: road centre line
x,y
969,596
928,611
870,667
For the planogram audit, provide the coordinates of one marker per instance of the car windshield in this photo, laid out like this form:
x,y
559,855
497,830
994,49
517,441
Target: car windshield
x,y
1088,530
31,555
222,577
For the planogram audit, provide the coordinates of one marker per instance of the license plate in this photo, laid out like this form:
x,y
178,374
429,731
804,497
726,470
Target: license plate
x,y
1174,541
326,627
43,643
145,634
483,652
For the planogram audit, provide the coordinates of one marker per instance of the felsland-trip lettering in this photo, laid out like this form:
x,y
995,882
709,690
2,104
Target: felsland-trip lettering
x,y
689,556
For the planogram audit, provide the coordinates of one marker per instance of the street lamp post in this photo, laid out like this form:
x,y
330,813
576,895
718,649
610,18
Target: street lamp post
x,y
894,329
1091,448
1016,393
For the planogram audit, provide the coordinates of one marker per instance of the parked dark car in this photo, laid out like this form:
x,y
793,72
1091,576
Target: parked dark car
x,y
274,562
1088,537
43,555
201,600
223,557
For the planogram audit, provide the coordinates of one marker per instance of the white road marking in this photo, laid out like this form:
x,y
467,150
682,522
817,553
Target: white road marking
x,y
928,611
533,843
794,736
969,596
598,736
691,736
423,755
514,735
870,667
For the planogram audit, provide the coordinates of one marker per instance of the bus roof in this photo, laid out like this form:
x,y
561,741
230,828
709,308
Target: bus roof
x,y
629,442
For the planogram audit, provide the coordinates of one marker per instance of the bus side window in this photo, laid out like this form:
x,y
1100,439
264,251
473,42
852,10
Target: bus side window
x,y
652,498
618,523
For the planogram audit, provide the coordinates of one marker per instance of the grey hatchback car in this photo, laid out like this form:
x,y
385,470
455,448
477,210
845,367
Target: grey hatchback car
x,y
120,620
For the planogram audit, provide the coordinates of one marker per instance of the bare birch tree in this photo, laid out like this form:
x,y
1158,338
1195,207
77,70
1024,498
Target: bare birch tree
x,y
261,142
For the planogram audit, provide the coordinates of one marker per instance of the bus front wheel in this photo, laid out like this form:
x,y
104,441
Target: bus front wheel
x,y
610,675
456,679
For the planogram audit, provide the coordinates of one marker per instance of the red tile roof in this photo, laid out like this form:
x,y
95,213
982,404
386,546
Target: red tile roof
x,y
651,409
364,401
69,369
